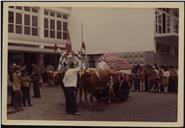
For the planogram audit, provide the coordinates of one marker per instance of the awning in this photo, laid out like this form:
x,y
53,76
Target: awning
x,y
31,49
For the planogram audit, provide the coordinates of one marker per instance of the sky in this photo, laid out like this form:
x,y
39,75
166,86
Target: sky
x,y
112,29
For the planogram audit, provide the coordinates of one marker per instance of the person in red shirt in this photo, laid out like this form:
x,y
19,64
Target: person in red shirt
x,y
142,79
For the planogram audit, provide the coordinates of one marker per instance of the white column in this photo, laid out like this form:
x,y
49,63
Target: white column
x,y
40,57
41,22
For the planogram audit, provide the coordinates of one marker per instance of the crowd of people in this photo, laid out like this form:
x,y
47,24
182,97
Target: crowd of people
x,y
142,78
19,83
153,78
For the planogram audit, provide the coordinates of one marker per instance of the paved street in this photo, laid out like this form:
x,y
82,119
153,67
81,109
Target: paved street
x,y
141,106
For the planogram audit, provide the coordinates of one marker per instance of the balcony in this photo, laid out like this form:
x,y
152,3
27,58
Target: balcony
x,y
165,34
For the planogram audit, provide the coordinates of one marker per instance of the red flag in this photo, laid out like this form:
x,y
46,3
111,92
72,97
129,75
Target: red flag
x,y
55,47
83,45
68,43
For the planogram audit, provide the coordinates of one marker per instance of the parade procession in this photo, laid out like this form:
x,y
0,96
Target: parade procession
x,y
92,64
75,77
78,81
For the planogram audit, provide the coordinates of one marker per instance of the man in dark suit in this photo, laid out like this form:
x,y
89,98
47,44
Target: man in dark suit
x,y
35,78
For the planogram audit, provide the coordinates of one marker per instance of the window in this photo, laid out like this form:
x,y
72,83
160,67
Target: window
x,y
27,30
18,18
176,13
52,33
160,30
52,24
176,27
18,23
34,31
55,25
45,33
45,23
26,19
59,15
64,35
64,16
59,29
167,10
52,14
59,34
52,28
34,26
10,17
168,23
46,26
34,21
19,7
64,26
10,28
23,20
27,9
34,10
10,22
27,24
18,29
45,12
163,20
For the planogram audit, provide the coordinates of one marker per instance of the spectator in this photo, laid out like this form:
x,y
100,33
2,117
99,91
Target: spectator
x,y
50,74
25,86
10,77
173,79
17,88
153,81
35,78
132,76
165,79
137,84
159,80
142,79
149,78
10,86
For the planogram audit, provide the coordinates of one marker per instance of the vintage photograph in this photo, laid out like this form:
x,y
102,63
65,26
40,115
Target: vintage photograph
x,y
105,64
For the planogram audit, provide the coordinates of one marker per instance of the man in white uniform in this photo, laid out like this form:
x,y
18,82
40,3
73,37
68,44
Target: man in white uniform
x,y
70,83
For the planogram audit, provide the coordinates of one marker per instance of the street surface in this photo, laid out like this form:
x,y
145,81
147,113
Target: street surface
x,y
140,106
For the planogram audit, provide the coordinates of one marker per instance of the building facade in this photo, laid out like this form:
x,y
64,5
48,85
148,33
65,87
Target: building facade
x,y
166,36
33,33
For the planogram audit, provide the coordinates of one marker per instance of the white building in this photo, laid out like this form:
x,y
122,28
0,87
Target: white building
x,y
33,32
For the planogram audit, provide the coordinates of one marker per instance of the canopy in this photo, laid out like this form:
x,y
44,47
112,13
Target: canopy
x,y
115,62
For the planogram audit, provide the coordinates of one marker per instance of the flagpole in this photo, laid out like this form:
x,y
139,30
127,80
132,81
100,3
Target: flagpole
x,y
81,41
82,31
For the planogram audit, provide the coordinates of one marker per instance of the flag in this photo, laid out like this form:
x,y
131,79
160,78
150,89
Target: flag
x,y
115,62
68,43
83,45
